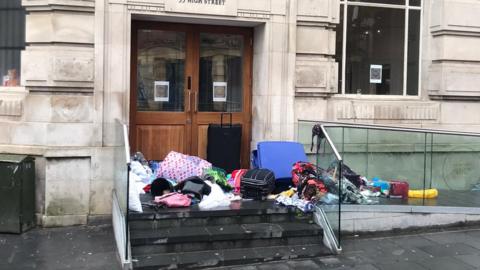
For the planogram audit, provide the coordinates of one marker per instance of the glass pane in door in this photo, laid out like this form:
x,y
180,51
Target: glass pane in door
x,y
221,73
160,70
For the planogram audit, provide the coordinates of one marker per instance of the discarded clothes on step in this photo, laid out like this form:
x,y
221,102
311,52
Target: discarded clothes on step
x,y
140,176
173,200
294,200
360,190
194,186
217,176
159,187
177,166
206,193
180,181
315,185
351,194
143,172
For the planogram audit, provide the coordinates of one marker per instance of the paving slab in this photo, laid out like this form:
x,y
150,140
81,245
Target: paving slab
x,y
444,250
93,248
79,247
472,260
399,266
445,263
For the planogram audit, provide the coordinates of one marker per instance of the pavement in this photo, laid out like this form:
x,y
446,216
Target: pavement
x,y
79,247
447,250
93,247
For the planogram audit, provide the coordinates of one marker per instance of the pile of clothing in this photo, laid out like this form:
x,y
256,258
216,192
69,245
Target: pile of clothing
x,y
314,185
180,181
360,190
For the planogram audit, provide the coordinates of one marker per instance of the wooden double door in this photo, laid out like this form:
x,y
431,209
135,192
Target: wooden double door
x,y
183,78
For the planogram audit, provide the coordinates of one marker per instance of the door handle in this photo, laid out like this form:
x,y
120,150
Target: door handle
x,y
188,100
195,105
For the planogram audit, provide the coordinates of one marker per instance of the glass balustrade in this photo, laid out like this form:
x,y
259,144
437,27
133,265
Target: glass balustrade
x,y
442,168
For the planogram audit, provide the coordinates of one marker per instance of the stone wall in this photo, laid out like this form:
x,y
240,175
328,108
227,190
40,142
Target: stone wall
x,y
59,121
449,74
316,72
455,38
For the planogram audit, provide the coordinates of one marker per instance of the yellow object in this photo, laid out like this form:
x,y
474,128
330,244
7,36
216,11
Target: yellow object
x,y
289,193
427,193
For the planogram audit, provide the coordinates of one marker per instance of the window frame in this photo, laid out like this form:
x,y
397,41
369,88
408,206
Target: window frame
x,y
345,4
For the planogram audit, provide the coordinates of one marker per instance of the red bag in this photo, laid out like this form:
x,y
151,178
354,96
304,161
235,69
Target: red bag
x,y
399,189
237,176
174,200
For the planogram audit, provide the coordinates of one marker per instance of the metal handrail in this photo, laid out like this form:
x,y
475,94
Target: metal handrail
x,y
391,128
327,137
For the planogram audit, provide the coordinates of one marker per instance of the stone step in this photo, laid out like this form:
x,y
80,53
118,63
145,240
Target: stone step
x,y
227,257
240,212
237,208
225,237
222,233
154,224
232,244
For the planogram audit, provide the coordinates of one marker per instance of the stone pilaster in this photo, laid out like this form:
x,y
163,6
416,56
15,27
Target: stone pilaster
x,y
58,71
454,72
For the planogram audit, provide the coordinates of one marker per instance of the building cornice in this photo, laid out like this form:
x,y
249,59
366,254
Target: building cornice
x,y
59,5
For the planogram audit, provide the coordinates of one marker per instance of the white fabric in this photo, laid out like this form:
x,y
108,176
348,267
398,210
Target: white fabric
x,y
144,172
215,199
303,205
232,197
135,185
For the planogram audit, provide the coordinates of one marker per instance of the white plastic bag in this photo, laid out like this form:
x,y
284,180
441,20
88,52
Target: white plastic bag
x,y
134,202
215,199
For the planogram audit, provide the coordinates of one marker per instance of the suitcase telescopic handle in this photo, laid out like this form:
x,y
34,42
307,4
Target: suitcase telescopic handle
x,y
221,119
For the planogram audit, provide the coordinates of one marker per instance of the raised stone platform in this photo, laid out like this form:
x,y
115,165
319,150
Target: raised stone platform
x,y
244,232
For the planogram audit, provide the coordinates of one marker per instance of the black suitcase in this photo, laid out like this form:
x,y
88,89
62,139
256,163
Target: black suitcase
x,y
223,145
257,184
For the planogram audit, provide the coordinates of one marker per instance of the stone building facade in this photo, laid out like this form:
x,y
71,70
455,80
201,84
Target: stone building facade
x,y
76,73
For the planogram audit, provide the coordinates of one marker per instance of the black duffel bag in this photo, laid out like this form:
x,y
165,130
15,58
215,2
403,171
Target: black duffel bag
x,y
257,184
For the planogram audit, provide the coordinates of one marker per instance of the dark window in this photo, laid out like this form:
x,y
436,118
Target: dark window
x,y
12,40
381,55
389,2
339,49
375,39
413,52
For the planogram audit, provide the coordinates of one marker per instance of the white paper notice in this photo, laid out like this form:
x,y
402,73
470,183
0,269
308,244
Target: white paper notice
x,y
219,91
375,73
161,91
